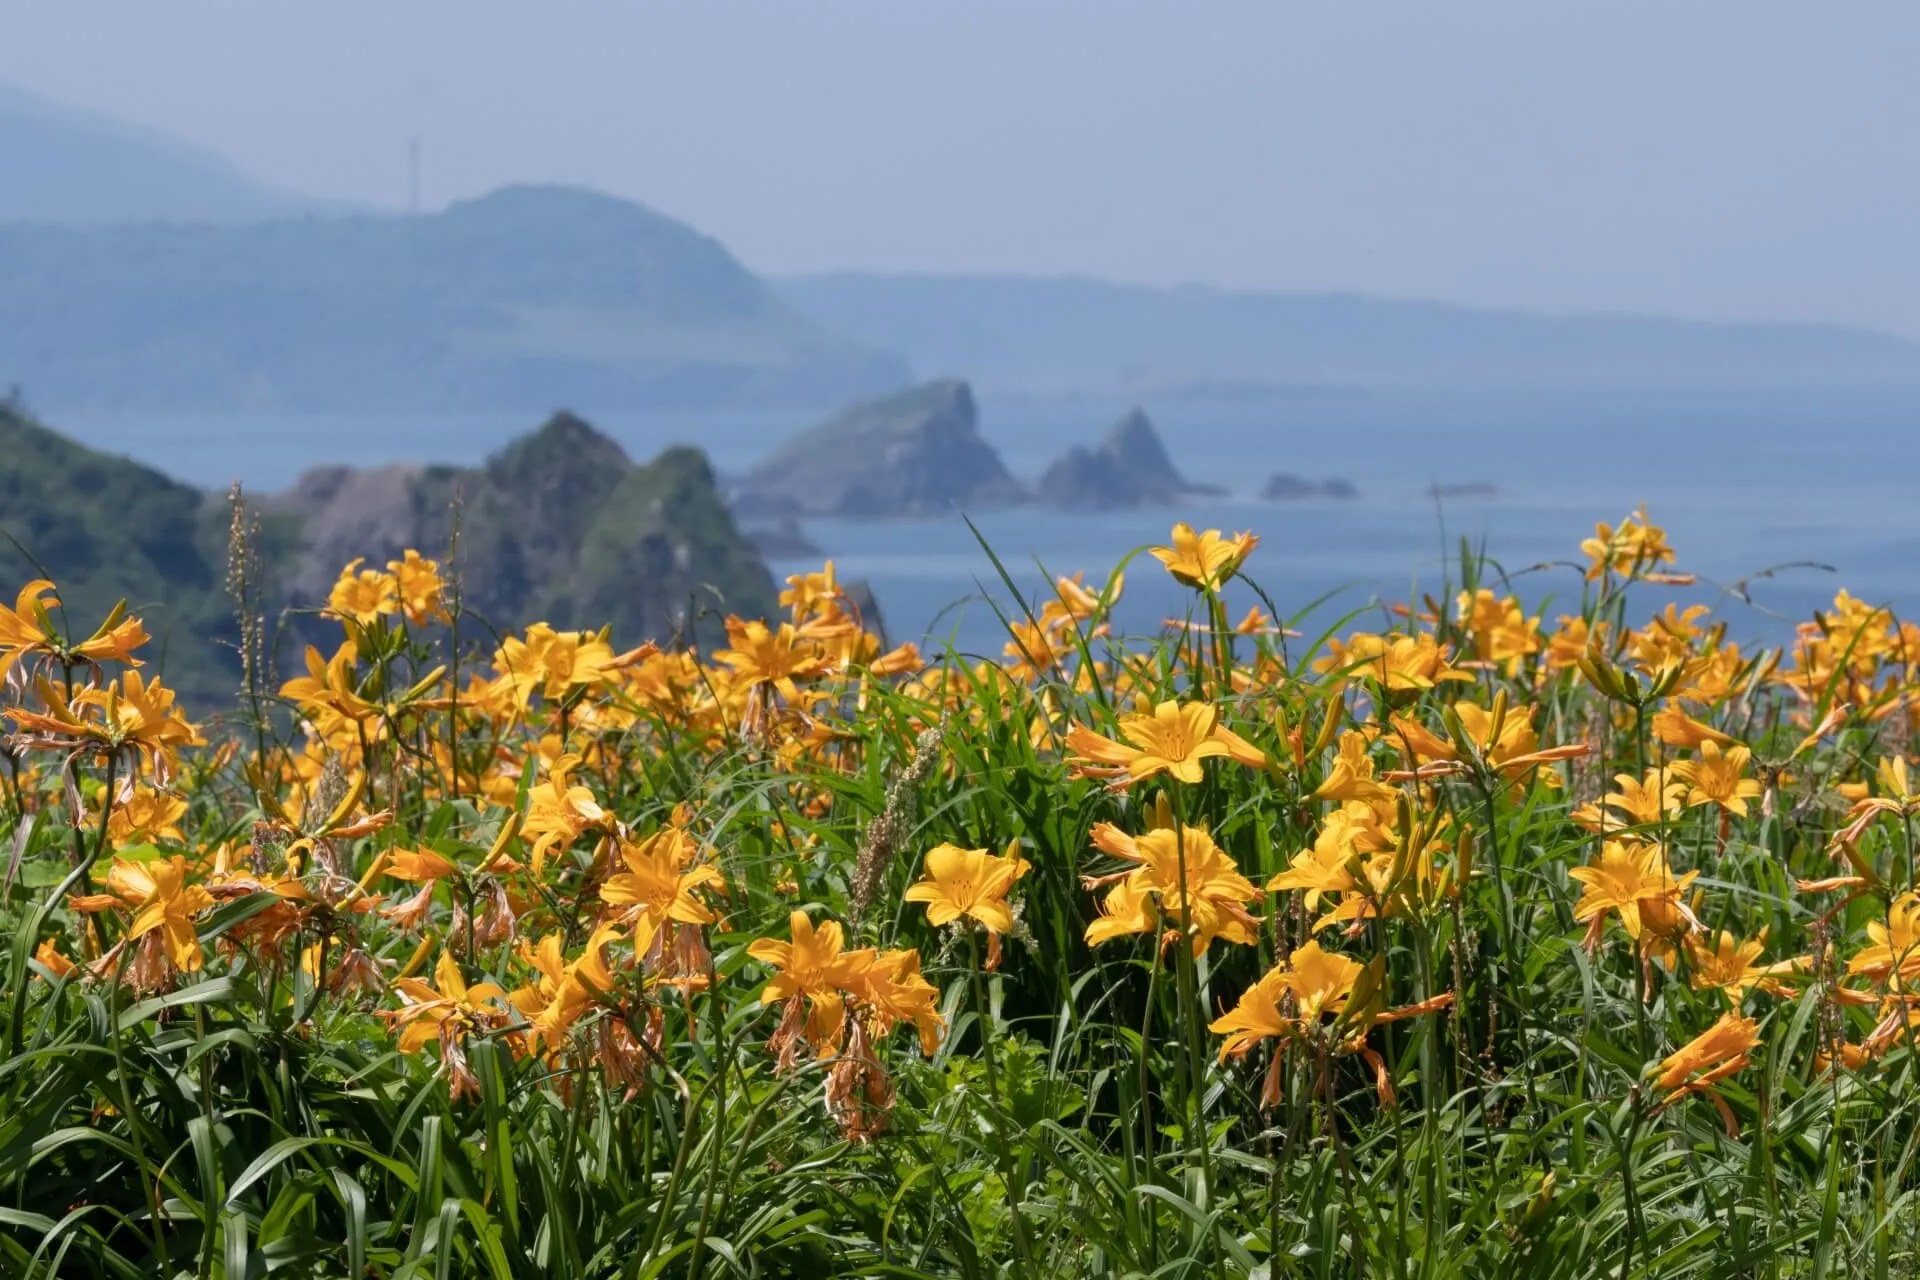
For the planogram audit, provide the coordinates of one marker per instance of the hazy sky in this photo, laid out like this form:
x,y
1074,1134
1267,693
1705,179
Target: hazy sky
x,y
1735,158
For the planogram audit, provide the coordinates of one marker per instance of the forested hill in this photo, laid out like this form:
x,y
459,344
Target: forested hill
x,y
560,526
523,299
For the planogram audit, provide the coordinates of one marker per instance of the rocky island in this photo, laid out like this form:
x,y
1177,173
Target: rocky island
x,y
1285,487
784,539
918,452
1129,468
1464,489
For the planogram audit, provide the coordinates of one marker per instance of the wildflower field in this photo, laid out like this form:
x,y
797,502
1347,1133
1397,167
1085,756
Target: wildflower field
x,y
1460,940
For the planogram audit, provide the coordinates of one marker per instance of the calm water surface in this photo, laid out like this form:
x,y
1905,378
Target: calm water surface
x,y
1743,481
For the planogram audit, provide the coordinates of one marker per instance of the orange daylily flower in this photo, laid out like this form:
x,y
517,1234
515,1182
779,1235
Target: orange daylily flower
x,y
1710,1057
1212,896
162,901
1678,729
1351,775
811,595
1895,947
813,972
1639,802
1174,738
450,1010
1729,966
764,656
554,662
895,992
418,587
1637,549
560,812
27,629
1718,778
1632,877
134,717
146,814
363,595
658,884
1293,1001
1329,867
1399,664
1124,910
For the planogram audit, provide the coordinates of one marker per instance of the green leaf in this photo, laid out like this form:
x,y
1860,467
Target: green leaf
x,y
277,1154
212,991
240,910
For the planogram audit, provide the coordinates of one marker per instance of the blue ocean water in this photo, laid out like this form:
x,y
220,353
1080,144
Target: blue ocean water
x,y
1743,480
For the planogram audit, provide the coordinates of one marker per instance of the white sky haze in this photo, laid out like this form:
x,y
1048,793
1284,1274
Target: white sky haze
x,y
1755,159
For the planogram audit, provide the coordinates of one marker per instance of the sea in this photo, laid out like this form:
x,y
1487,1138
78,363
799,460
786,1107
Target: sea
x,y
1774,498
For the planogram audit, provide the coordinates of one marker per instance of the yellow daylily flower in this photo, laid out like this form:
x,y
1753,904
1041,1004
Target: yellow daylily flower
x,y
363,595
658,884
1204,560
1718,777
161,900
1632,878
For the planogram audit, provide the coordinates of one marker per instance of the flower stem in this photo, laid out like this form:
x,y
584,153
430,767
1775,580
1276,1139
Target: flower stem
x,y
983,1012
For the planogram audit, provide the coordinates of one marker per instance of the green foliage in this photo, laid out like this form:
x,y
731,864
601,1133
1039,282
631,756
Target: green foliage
x,y
561,525
663,546
107,529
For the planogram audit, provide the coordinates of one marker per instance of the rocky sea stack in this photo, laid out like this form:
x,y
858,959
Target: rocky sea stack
x,y
1129,468
915,453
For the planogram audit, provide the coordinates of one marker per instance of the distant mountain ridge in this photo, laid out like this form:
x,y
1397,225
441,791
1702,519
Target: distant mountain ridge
x,y
68,166
519,300
1063,336
140,272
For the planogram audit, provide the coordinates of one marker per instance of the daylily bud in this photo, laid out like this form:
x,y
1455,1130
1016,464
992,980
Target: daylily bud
x,y
1463,744
1497,718
1539,1206
1665,680
114,617
1330,727
1603,675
